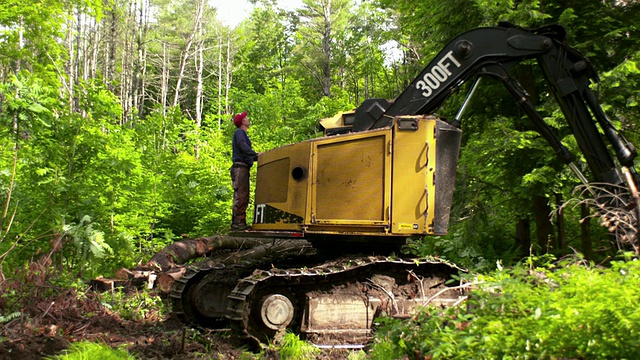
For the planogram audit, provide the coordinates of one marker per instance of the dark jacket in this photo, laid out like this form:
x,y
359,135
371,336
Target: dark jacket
x,y
242,150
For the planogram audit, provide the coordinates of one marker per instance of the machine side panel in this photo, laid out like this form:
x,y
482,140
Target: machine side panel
x,y
281,188
412,207
350,184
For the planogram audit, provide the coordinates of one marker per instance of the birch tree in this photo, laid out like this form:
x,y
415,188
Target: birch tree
x,y
186,51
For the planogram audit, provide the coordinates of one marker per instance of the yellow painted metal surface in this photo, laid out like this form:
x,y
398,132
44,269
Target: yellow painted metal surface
x,y
413,179
378,182
282,185
350,181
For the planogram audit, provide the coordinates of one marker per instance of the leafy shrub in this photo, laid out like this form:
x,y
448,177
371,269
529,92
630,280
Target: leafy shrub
x,y
141,305
294,348
572,311
88,350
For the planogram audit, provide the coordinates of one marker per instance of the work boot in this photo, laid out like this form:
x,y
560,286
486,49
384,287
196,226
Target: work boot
x,y
240,227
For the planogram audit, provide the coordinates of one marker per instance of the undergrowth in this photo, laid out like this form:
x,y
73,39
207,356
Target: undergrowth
x,y
291,347
86,350
565,309
136,305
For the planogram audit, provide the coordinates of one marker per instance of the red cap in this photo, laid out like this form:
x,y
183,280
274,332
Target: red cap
x,y
237,120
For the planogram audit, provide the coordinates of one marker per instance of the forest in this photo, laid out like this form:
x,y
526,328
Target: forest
x,y
115,141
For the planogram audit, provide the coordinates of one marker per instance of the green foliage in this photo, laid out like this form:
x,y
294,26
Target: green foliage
x,y
265,53
559,310
86,350
357,355
139,305
504,163
488,244
620,88
89,242
320,41
279,116
27,100
528,13
364,63
199,189
293,348
37,24
9,317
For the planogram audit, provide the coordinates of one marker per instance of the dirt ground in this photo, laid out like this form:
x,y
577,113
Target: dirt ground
x,y
40,319
48,324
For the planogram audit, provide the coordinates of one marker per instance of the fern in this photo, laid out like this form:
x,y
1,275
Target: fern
x,y
14,315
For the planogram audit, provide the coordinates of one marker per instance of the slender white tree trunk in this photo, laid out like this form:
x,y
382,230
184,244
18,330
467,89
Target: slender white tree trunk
x,y
187,50
228,78
220,72
199,81
164,86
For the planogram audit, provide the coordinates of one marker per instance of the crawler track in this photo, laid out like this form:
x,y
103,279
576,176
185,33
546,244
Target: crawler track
x,y
328,303
199,296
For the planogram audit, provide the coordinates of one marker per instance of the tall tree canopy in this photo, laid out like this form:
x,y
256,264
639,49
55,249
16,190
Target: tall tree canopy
x,y
115,135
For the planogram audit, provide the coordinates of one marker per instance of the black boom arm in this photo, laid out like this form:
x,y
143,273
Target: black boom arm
x,y
492,52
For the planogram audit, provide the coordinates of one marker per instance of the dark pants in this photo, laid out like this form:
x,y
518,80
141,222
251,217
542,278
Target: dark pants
x,y
240,182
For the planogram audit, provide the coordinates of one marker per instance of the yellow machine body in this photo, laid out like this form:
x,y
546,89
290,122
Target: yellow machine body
x,y
391,181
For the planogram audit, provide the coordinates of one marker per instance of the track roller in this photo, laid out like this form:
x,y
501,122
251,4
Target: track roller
x,y
276,311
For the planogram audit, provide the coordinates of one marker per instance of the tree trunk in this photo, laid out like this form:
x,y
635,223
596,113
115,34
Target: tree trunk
x,y
199,65
228,76
220,80
366,86
95,50
143,27
110,64
326,47
70,64
15,125
544,227
560,225
128,73
199,69
187,50
523,236
164,92
585,231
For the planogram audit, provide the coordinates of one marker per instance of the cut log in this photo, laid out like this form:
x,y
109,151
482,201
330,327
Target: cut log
x,y
182,251
165,280
101,284
265,249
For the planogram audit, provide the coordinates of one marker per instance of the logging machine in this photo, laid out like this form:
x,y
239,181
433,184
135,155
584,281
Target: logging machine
x,y
381,174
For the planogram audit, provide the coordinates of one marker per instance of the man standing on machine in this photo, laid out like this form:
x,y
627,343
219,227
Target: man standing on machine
x,y
243,158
